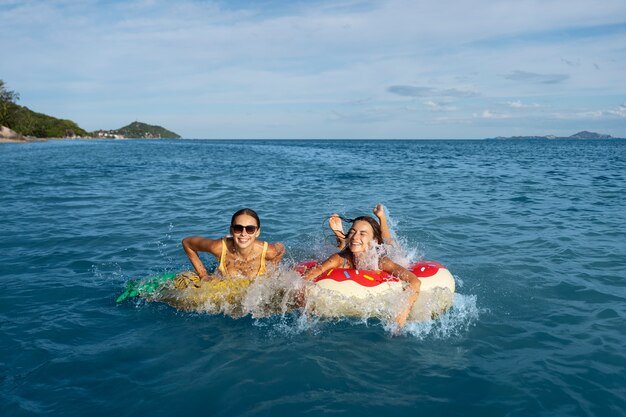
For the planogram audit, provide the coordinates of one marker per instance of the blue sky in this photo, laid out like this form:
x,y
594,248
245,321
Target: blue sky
x,y
322,69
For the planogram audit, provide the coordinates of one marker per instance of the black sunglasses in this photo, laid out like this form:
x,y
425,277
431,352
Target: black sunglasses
x,y
238,228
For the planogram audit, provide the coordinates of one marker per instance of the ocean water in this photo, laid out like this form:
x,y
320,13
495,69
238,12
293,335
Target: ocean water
x,y
534,233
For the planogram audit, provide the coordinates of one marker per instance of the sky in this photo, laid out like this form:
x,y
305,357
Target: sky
x,y
389,69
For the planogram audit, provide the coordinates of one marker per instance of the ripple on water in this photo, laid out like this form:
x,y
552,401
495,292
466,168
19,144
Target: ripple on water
x,y
534,238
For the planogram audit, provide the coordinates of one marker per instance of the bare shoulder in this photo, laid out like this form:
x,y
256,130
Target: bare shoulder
x,y
275,250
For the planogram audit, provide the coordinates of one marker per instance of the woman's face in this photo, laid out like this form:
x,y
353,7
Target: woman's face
x,y
245,230
360,236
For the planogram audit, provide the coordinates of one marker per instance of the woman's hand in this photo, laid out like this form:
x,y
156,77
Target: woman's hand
x,y
379,211
385,232
336,225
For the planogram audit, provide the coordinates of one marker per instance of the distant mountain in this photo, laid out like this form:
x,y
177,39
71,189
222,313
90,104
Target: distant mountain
x,y
590,135
580,135
137,130
29,123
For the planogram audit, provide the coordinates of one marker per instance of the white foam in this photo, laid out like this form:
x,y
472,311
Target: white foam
x,y
452,323
278,293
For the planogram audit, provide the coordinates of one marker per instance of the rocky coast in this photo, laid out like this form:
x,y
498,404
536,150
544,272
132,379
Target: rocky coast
x,y
10,136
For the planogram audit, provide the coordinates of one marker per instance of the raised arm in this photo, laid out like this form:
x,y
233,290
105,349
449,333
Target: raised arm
x,y
335,261
404,274
336,226
194,244
379,211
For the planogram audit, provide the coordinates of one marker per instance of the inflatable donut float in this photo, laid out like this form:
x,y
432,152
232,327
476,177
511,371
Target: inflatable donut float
x,y
353,292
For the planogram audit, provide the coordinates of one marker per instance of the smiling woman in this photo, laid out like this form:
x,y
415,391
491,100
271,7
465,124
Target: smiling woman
x,y
242,258
360,253
240,254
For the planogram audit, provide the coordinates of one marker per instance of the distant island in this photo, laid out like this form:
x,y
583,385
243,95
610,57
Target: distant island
x,y
137,130
21,124
584,135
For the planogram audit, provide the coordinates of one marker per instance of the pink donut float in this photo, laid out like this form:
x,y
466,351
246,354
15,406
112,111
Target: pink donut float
x,y
337,292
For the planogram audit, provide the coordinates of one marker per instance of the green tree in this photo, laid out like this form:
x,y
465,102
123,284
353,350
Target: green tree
x,y
7,99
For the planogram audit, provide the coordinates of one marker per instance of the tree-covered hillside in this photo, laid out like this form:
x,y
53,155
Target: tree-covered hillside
x,y
29,123
143,130
39,125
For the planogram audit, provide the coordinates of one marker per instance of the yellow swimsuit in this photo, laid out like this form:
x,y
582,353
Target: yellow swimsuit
x,y
222,266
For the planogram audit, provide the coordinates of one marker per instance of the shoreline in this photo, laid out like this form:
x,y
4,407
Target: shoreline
x,y
28,139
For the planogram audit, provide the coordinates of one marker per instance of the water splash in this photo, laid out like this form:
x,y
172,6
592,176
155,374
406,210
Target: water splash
x,y
279,293
453,323
286,304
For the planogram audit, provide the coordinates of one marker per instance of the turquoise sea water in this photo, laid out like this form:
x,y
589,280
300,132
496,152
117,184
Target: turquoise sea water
x,y
532,231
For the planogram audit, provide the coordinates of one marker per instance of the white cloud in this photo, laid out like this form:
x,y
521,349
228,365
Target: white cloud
x,y
619,111
413,91
590,114
438,106
489,114
519,105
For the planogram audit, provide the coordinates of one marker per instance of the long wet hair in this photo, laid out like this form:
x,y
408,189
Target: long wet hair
x,y
249,212
378,236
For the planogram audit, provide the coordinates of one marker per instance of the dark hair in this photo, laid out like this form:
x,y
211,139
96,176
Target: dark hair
x,y
249,212
378,236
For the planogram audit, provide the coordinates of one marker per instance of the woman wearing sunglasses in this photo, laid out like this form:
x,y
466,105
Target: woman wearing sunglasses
x,y
240,254
358,252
